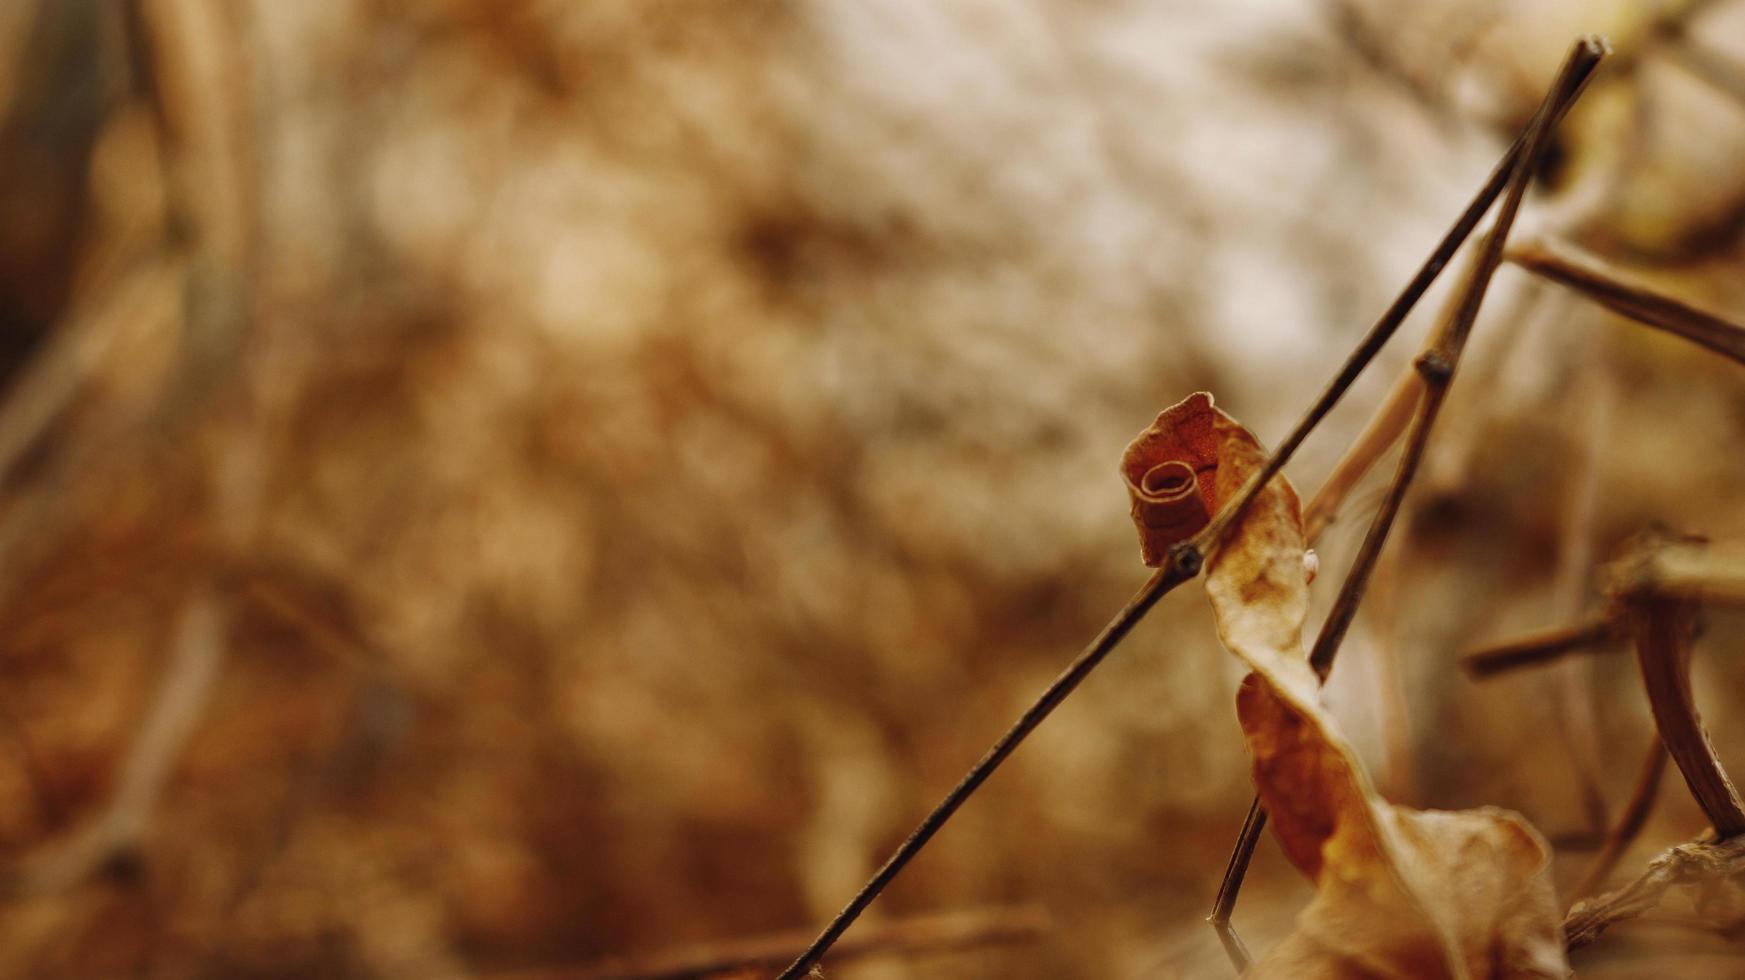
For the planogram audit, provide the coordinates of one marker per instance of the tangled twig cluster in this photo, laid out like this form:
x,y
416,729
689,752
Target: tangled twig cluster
x,y
1180,532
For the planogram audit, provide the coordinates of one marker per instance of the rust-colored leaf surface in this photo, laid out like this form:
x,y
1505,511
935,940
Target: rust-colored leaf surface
x,y
1171,474
1399,892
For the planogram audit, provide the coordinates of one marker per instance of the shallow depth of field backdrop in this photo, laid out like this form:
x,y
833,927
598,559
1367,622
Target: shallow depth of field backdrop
x,y
490,487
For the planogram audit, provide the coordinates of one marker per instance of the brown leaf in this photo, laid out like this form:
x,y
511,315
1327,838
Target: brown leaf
x,y
1399,892
1171,474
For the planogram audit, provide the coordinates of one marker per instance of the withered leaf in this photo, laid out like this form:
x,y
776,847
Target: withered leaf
x,y
1399,892
1171,474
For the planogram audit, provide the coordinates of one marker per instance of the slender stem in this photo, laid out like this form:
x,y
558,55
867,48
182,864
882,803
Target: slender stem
x,y
1436,366
1539,648
1378,435
1184,565
1577,69
1234,873
1629,822
1663,635
1185,560
1563,264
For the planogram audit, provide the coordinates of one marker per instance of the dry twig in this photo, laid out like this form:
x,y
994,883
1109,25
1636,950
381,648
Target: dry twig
x,y
1378,435
1629,823
1185,560
1482,663
1663,633
1563,264
1436,366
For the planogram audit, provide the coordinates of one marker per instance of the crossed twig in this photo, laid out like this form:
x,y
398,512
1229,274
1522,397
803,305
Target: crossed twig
x,y
1184,561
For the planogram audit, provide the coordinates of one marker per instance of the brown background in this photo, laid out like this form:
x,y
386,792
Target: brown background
x,y
489,486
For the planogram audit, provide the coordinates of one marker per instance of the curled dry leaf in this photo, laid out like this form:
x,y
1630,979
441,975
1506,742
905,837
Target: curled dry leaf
x,y
1399,892
1171,475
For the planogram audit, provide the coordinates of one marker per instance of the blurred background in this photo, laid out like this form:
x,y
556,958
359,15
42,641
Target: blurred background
x,y
503,488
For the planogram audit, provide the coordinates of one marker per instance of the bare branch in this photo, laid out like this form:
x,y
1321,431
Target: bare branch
x,y
1378,435
1629,823
1586,57
1185,560
1663,633
58,374
1534,649
1565,265
1181,567
1436,367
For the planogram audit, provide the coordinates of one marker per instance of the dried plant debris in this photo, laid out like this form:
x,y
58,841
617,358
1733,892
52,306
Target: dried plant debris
x,y
1399,892
1715,866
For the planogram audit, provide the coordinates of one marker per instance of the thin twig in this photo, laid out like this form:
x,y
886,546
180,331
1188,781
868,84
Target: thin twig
x,y
1185,560
1237,870
1437,366
1629,823
191,61
1171,574
1663,635
920,934
1697,861
1184,565
1533,649
1378,436
1565,265
1591,50
1590,409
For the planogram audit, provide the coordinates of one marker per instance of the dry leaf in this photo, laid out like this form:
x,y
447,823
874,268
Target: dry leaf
x,y
1399,892
1171,475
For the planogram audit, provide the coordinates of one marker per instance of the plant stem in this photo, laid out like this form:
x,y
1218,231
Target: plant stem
x,y
1577,69
1184,564
1378,435
1663,635
1172,573
1225,903
1436,366
1563,264
1629,822
1185,560
1538,648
